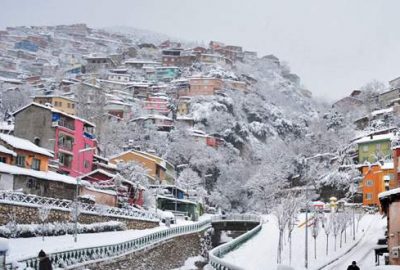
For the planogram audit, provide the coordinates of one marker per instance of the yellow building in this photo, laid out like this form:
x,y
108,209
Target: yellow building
x,y
60,103
157,168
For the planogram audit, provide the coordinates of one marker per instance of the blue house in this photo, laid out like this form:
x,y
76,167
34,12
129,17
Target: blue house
x,y
26,45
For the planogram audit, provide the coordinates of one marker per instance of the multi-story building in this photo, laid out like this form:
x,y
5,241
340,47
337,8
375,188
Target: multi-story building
x,y
157,104
71,138
61,103
158,169
373,148
204,86
377,178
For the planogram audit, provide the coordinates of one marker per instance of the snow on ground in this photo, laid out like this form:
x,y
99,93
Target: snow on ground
x,y
190,263
364,253
22,248
260,252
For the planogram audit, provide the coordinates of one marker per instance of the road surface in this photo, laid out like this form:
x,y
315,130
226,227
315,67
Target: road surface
x,y
363,253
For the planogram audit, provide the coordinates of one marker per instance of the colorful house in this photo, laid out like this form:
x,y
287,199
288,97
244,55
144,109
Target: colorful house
x,y
373,148
167,74
377,178
61,103
157,104
158,169
71,138
204,86
23,153
26,45
396,163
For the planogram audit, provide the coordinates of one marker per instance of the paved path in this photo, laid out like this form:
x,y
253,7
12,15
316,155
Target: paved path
x,y
363,253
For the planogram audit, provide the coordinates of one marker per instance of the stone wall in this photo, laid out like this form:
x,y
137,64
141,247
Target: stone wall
x,y
165,256
28,215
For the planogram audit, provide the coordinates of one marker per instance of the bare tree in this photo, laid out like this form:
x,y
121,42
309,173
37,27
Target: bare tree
x,y
43,213
315,231
335,226
327,226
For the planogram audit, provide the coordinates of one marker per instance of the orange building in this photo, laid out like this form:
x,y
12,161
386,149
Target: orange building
x,y
23,153
376,179
203,86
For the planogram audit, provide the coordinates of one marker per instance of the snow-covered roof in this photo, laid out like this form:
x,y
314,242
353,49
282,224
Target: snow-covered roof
x,y
389,193
7,151
177,200
6,126
387,166
111,175
109,192
375,138
51,176
53,110
23,144
382,111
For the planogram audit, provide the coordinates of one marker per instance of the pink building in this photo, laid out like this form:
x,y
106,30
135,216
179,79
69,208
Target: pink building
x,y
70,138
157,104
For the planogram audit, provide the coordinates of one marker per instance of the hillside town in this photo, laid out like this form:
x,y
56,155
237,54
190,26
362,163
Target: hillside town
x,y
103,131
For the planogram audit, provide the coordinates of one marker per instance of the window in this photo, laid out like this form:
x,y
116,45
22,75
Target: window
x,y
36,141
32,183
60,103
3,160
69,105
73,106
369,183
36,164
86,164
20,161
65,159
368,196
365,148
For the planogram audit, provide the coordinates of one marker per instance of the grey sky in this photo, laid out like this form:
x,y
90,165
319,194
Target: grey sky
x,y
334,46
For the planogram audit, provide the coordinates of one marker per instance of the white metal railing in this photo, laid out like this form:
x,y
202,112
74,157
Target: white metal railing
x,y
67,259
216,254
236,217
37,201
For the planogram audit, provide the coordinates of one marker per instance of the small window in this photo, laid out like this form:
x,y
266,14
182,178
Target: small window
x,y
368,196
20,161
86,164
73,106
69,105
365,148
60,103
369,183
36,164
3,160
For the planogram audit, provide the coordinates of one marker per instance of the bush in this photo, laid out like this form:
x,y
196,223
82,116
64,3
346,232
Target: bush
x,y
12,230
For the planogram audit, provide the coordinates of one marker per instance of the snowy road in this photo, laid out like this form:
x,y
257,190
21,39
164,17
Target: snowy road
x,y
363,253
260,252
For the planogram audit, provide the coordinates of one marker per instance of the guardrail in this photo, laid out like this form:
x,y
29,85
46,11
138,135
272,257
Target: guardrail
x,y
67,259
236,217
37,201
217,253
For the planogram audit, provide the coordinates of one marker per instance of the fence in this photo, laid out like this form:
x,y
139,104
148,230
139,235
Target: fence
x,y
83,256
37,201
217,253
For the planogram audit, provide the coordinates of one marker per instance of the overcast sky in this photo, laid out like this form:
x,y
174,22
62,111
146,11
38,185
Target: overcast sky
x,y
334,46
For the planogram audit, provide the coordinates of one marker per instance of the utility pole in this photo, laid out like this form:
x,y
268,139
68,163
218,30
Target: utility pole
x,y
306,240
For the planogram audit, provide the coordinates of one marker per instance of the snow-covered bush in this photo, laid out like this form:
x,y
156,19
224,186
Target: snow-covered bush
x,y
57,228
